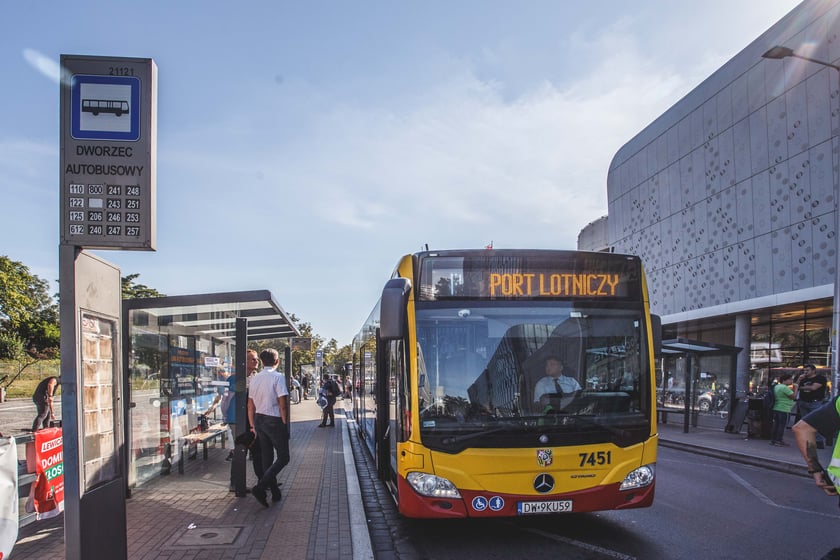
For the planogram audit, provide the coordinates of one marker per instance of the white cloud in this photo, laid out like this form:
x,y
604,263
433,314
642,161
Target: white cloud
x,y
43,64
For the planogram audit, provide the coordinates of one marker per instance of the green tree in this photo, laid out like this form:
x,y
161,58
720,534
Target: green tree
x,y
341,357
303,357
28,313
133,290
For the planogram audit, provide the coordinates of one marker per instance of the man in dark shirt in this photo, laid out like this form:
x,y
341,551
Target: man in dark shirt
x,y
812,387
43,399
330,391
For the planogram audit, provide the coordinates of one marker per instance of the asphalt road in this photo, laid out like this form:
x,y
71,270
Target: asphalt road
x,y
704,508
17,415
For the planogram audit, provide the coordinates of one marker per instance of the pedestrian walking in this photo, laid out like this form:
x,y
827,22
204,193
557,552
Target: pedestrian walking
x,y
268,400
329,390
304,381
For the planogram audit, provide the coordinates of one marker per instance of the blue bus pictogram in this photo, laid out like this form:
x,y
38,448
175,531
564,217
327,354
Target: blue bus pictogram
x,y
96,106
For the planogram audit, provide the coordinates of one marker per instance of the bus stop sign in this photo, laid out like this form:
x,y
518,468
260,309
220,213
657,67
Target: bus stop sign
x,y
108,152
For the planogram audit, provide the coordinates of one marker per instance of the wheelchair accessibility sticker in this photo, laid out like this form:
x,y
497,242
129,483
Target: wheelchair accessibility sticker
x,y
480,503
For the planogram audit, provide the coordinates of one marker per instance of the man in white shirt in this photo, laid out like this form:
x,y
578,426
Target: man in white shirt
x,y
555,390
268,398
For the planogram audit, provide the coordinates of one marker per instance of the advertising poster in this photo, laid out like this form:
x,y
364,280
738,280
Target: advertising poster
x,y
46,496
8,496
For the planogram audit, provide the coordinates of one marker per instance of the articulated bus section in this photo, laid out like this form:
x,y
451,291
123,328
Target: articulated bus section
x,y
481,390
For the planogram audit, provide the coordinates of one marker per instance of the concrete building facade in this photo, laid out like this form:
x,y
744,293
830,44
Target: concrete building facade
x,y
729,198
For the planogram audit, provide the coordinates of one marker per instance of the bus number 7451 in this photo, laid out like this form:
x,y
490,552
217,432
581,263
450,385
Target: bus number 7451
x,y
596,458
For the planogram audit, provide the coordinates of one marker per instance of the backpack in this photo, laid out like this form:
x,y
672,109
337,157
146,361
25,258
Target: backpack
x,y
335,390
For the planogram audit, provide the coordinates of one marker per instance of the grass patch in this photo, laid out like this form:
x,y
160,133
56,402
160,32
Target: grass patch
x,y
25,385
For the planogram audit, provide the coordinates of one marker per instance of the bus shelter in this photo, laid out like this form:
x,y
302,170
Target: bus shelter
x,y
180,353
696,378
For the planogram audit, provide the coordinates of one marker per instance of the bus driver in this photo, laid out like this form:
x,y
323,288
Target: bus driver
x,y
555,390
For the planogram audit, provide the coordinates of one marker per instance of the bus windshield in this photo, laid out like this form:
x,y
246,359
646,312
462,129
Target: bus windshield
x,y
489,374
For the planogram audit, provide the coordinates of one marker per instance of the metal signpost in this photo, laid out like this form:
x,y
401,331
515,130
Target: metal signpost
x,y
107,178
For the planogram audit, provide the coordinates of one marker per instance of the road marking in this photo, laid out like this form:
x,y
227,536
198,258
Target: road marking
x,y
583,545
767,500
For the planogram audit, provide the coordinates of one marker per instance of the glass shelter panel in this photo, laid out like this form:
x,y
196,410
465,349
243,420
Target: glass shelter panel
x,y
177,382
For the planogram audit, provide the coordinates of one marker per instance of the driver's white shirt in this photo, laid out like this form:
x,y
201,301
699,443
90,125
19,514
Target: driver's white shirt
x,y
546,386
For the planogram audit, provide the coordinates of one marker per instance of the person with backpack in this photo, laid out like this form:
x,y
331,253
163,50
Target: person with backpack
x,y
329,390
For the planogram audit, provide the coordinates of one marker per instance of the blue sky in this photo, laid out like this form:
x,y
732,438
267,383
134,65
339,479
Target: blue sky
x,y
304,147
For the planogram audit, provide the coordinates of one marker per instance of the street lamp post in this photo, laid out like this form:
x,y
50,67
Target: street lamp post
x,y
779,53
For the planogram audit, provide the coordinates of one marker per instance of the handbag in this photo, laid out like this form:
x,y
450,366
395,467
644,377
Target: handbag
x,y
246,439
322,402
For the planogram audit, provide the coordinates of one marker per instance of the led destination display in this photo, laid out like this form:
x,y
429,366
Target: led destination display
x,y
553,284
534,275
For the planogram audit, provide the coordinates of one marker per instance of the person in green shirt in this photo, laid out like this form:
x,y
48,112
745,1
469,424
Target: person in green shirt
x,y
785,391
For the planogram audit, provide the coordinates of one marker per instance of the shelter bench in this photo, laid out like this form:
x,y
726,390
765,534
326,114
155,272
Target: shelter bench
x,y
192,441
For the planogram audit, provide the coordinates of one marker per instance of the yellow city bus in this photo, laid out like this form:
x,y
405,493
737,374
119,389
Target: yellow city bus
x,y
455,394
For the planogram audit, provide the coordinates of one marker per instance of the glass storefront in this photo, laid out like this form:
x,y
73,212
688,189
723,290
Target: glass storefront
x,y
786,339
782,340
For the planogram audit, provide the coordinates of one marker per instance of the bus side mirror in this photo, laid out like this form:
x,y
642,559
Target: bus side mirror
x,y
656,334
392,310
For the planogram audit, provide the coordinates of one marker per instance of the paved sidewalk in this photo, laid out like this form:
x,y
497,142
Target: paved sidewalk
x,y
194,516
739,448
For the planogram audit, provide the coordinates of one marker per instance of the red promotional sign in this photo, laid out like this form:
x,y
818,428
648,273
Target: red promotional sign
x,y
47,492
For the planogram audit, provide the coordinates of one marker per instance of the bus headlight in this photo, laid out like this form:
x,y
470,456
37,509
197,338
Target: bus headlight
x,y
432,486
639,478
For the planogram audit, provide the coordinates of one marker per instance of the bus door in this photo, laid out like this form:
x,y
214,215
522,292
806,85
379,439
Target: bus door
x,y
394,410
383,417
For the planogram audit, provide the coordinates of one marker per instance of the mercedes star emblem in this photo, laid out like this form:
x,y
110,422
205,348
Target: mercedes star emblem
x,y
544,483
